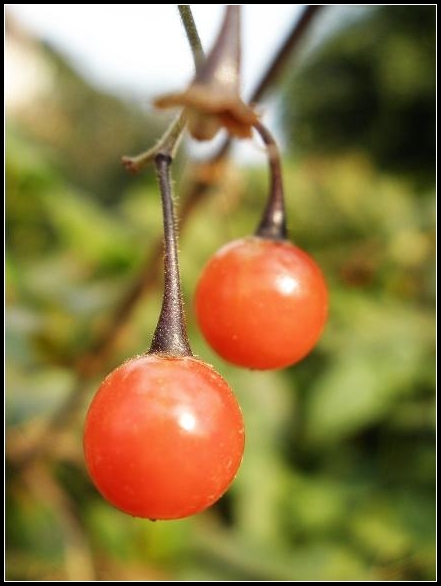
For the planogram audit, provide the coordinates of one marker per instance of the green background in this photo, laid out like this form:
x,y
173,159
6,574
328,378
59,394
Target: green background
x,y
338,477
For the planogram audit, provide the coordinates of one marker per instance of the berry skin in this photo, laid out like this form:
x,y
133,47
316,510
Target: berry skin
x,y
261,303
164,437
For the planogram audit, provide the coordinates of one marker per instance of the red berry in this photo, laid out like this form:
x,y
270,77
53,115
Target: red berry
x,y
261,303
164,437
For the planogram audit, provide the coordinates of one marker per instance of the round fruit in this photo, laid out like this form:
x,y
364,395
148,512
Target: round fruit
x,y
164,437
261,303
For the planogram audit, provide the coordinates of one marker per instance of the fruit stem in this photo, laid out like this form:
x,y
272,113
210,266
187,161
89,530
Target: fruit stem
x,y
170,336
273,222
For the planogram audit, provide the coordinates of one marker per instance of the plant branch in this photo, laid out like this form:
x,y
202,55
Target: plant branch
x,y
168,143
192,34
285,52
167,146
273,222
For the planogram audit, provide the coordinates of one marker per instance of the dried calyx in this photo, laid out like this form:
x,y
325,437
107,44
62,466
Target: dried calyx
x,y
212,101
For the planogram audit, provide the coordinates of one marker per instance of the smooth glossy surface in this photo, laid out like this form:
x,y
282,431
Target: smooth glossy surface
x,y
163,437
261,303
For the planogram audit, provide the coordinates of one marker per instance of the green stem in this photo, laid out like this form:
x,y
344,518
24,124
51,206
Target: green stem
x,y
167,145
192,34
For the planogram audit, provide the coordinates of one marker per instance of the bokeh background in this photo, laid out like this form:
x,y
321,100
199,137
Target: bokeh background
x,y
338,477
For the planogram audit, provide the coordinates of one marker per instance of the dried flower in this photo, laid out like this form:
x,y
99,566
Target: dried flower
x,y
212,101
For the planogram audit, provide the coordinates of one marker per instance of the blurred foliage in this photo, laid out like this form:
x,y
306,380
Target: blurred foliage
x,y
337,481
376,81
83,130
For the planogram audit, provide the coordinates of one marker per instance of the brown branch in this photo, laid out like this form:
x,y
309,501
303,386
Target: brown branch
x,y
285,52
94,359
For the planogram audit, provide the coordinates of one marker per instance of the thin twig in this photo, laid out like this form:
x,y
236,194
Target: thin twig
x,y
192,34
168,143
285,52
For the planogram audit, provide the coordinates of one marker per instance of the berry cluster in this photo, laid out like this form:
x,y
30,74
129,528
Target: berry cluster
x,y
164,435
